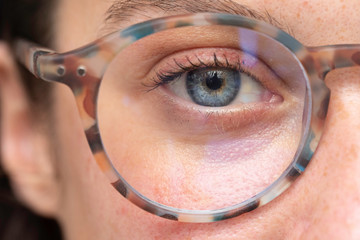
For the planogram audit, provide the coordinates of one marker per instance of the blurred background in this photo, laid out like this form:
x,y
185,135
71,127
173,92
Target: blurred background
x,y
18,19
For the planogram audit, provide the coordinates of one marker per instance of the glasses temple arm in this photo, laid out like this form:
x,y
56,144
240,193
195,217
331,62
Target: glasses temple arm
x,y
27,53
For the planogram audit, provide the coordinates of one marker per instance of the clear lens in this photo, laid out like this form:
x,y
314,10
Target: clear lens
x,y
202,118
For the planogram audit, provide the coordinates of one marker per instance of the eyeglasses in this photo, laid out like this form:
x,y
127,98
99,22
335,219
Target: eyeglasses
x,y
198,118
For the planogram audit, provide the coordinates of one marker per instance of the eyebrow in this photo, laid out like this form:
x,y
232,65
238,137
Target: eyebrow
x,y
122,12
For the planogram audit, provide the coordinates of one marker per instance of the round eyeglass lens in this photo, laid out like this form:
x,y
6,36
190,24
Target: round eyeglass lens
x,y
202,118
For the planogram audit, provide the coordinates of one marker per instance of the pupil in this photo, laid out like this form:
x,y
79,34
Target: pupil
x,y
213,82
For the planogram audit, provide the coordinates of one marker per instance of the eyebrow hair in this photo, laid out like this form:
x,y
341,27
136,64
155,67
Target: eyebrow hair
x,y
122,11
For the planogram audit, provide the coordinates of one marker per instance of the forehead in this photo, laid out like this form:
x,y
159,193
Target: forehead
x,y
311,22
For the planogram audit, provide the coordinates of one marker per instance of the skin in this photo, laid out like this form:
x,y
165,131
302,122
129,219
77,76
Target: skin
x,y
64,181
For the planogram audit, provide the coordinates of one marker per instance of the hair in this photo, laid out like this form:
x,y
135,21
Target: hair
x,y
32,20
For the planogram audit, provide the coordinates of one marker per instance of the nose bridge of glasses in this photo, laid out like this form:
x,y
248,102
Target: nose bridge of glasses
x,y
319,61
328,58
323,60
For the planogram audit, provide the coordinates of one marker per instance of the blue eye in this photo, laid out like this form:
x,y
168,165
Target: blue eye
x,y
217,82
213,87
217,87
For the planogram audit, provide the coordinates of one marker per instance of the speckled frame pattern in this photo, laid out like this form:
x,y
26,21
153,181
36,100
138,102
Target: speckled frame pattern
x,y
82,70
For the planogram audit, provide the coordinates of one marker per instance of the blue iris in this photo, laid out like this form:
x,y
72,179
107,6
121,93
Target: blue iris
x,y
213,87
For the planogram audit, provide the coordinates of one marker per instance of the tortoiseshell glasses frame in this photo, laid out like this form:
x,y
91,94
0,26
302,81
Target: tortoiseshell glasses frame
x,y
83,69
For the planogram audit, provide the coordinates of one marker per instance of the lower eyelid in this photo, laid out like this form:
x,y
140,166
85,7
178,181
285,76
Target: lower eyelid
x,y
209,121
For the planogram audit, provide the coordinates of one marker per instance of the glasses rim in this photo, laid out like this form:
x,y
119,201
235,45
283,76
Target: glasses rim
x,y
316,62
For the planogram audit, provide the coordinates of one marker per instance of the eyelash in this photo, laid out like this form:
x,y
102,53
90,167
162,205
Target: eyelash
x,y
163,78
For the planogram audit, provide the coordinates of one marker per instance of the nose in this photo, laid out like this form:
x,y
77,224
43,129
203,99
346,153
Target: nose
x,y
333,175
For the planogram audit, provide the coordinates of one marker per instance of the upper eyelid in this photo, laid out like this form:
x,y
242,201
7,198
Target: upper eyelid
x,y
244,62
201,63
176,73
167,77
